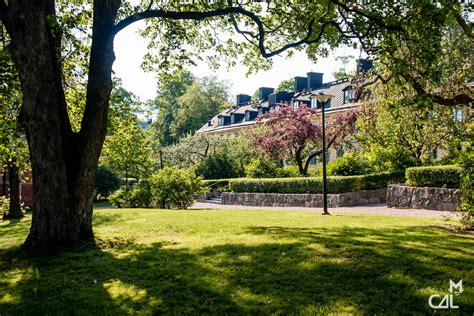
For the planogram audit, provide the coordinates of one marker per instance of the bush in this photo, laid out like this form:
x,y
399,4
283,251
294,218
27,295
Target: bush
x,y
217,166
434,176
349,165
121,199
176,188
106,181
4,205
263,168
388,158
140,196
290,172
336,184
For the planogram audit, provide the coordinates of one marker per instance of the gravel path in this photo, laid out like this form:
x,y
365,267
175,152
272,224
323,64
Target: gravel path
x,y
378,209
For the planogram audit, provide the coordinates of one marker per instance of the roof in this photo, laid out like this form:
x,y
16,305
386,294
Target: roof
x,y
335,88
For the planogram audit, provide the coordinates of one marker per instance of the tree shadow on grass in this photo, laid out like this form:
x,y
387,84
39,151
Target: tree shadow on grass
x,y
296,270
124,279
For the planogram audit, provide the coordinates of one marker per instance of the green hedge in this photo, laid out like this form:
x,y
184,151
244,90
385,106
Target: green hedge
x,y
434,176
314,185
219,184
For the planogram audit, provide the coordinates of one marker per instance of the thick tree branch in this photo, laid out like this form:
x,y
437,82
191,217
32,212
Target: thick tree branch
x,y
195,15
378,21
175,15
463,24
319,152
99,84
460,99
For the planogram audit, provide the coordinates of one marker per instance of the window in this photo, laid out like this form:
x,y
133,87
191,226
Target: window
x,y
458,114
340,152
328,156
348,95
220,121
315,104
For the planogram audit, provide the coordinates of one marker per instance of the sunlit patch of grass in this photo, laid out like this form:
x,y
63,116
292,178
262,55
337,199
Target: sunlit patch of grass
x,y
239,262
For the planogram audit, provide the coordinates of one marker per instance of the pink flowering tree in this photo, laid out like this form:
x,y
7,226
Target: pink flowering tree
x,y
297,133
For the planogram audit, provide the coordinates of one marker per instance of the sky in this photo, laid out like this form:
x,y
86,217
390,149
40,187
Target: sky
x,y
130,48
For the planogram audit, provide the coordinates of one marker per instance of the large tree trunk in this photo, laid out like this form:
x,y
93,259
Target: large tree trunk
x,y
63,162
14,193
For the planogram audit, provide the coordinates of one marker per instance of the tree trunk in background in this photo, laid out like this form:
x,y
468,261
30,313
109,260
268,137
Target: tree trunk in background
x,y
299,161
63,162
4,183
14,193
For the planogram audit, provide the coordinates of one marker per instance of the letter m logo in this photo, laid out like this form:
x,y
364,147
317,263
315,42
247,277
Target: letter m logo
x,y
457,286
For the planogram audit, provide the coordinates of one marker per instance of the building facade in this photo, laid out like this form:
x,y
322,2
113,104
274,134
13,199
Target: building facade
x,y
244,113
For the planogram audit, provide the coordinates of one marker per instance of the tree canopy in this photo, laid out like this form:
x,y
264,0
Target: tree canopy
x,y
290,133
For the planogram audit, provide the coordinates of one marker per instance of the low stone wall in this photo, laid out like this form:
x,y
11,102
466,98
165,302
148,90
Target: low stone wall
x,y
439,199
305,200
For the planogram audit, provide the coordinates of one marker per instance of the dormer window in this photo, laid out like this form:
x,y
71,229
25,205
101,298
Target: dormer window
x,y
220,121
348,94
315,104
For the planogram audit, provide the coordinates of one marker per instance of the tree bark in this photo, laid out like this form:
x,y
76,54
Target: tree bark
x,y
299,161
14,193
63,162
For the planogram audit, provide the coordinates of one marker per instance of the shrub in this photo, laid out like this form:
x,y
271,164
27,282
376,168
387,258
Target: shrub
x,y
120,199
106,181
290,172
336,184
4,205
263,168
388,158
434,176
176,188
140,196
349,165
217,166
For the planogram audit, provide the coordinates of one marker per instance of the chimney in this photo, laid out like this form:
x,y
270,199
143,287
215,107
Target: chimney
x,y
300,84
363,65
279,97
242,98
315,79
263,92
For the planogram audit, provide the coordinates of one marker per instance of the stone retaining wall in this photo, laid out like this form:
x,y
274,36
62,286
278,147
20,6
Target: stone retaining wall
x,y
305,200
439,199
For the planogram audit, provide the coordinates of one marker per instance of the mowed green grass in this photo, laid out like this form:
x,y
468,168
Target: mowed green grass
x,y
240,262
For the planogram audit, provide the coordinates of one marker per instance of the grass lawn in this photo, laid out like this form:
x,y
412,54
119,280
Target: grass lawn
x,y
240,262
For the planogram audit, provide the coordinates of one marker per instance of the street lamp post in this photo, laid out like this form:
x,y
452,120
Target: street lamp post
x,y
323,98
